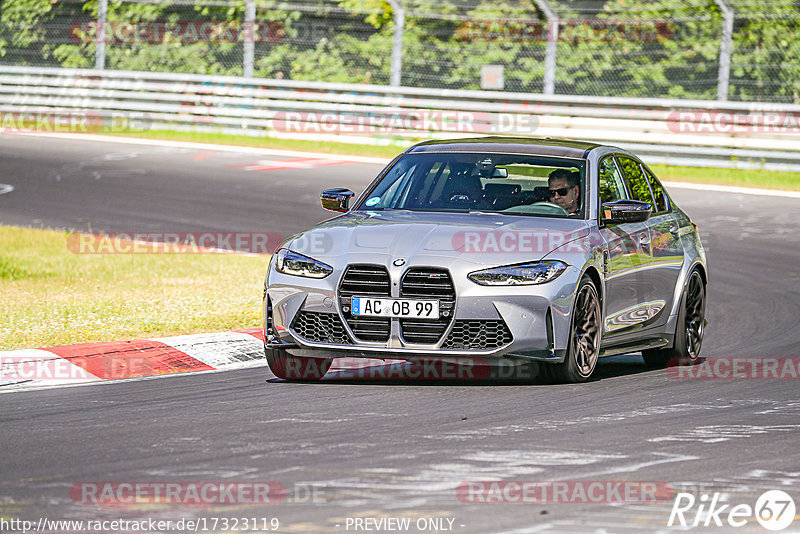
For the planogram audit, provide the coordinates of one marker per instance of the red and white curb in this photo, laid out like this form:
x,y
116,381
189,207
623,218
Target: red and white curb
x,y
120,360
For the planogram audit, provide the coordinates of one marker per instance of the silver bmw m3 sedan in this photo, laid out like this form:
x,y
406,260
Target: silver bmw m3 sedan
x,y
538,253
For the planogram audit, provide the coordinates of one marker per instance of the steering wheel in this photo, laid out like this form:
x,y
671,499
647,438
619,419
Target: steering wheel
x,y
550,205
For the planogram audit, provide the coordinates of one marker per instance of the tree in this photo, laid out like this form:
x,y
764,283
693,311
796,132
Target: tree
x,y
636,48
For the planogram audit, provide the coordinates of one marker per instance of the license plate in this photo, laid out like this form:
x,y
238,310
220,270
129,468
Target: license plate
x,y
405,308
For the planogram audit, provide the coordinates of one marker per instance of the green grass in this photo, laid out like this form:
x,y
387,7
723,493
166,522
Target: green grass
x,y
789,181
388,150
52,296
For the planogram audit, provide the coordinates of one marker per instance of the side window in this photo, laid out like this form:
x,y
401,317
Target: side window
x,y
393,187
658,192
395,195
611,187
635,180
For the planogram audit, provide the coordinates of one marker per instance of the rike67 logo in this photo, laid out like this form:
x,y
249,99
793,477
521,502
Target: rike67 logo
x,y
774,510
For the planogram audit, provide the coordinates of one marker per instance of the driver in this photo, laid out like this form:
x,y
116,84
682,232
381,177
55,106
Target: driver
x,y
565,189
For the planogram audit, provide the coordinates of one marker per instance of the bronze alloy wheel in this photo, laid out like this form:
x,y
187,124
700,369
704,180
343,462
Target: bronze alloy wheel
x,y
584,344
586,330
688,332
694,315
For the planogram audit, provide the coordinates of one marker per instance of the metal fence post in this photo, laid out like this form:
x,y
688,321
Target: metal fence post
x,y
249,38
551,48
725,49
100,49
397,43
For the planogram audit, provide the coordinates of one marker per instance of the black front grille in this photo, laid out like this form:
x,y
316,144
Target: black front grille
x,y
321,328
428,283
365,281
478,335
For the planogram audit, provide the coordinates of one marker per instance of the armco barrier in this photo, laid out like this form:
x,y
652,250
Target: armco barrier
x,y
681,132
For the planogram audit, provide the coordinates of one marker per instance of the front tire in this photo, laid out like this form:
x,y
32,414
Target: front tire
x,y
293,368
689,330
583,349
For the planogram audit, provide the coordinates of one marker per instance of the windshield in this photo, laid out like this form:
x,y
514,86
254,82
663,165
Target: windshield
x,y
497,183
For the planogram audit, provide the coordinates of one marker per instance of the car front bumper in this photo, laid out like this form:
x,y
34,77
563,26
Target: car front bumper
x,y
491,323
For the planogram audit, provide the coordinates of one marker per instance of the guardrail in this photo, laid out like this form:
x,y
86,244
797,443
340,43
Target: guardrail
x,y
681,132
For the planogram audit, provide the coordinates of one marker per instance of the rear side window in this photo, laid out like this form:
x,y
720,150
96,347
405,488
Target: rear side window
x,y
611,187
658,192
635,180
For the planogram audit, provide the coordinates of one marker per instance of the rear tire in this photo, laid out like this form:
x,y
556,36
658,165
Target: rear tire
x,y
688,331
583,348
293,368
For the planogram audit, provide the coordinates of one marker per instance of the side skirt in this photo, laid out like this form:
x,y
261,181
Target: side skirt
x,y
635,346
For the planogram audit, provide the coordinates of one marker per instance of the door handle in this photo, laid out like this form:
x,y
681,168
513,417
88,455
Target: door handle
x,y
644,239
674,229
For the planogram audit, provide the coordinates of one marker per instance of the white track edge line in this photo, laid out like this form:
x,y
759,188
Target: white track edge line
x,y
207,146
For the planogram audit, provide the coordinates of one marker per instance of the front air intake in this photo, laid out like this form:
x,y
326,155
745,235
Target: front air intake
x,y
321,328
478,335
365,281
433,284
269,324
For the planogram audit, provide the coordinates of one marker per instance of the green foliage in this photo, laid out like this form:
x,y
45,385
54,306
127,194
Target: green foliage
x,y
766,56
20,20
378,12
635,180
636,48
668,48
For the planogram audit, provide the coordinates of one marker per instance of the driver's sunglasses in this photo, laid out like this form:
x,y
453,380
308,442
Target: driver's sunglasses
x,y
562,191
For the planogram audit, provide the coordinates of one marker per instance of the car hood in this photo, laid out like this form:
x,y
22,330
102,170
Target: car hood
x,y
415,237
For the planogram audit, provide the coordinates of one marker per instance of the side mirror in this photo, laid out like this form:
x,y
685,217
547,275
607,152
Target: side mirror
x,y
625,211
336,199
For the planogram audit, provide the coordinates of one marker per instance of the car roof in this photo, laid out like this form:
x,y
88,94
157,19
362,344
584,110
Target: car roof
x,y
565,148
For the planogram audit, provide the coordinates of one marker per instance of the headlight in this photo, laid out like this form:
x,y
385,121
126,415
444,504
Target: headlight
x,y
289,262
521,274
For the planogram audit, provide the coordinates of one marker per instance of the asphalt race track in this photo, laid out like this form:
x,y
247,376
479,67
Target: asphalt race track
x,y
346,448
